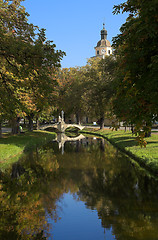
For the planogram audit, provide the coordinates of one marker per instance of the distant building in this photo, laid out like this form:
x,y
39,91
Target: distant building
x,y
103,47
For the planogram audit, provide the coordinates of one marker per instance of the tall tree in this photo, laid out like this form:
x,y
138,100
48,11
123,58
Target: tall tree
x,y
70,89
27,60
99,87
16,37
136,101
42,82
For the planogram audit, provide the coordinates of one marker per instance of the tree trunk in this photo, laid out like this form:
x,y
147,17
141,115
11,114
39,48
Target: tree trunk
x,y
15,125
17,170
0,129
78,118
148,134
30,118
37,124
101,122
148,130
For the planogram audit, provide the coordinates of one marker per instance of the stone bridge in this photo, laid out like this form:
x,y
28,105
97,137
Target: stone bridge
x,y
61,126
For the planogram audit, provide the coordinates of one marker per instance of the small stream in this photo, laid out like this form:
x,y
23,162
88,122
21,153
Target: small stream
x,y
78,188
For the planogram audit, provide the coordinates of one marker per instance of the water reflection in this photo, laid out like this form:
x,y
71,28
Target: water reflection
x,y
35,191
62,138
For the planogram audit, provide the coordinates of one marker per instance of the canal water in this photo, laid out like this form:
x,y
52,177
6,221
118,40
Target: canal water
x,y
78,189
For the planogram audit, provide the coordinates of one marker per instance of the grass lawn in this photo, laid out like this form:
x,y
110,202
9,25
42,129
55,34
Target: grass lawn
x,y
11,146
148,157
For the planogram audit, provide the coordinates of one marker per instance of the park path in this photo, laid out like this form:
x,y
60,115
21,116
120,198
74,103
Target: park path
x,y
6,130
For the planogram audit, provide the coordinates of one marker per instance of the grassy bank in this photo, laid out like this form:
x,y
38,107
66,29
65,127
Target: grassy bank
x,y
12,146
125,141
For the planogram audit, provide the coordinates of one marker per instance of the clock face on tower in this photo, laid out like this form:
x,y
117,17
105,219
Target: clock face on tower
x,y
103,51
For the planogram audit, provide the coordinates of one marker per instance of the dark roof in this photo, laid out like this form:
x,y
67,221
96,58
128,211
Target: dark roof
x,y
103,43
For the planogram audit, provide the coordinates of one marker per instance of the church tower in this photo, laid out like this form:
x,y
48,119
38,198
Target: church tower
x,y
103,47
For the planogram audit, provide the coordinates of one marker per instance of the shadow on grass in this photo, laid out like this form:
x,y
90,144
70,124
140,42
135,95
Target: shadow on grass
x,y
21,139
125,141
18,140
24,142
152,142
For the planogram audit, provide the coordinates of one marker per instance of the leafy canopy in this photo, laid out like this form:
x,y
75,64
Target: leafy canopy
x,y
136,101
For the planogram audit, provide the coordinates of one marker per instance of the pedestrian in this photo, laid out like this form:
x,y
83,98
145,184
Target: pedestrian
x,y
21,130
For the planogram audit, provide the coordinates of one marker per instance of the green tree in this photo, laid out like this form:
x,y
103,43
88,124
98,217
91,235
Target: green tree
x,y
27,63
16,36
99,88
136,100
43,81
70,90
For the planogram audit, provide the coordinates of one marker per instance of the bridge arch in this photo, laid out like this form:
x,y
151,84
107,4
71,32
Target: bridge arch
x,y
46,126
73,126
61,126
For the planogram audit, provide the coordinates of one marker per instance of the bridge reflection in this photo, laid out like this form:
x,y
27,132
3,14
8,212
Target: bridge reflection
x,y
62,138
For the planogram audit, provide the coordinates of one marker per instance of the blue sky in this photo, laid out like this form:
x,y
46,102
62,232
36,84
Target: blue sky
x,y
75,26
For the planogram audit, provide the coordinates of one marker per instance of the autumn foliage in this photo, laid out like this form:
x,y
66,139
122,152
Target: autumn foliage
x,y
27,64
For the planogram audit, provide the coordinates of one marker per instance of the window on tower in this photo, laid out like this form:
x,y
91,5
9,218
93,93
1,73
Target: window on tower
x,y
109,52
97,52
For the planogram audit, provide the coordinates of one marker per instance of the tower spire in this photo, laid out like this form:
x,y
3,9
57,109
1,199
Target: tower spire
x,y
103,32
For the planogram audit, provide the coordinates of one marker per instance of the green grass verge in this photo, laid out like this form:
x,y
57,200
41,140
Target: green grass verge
x,y
125,141
12,146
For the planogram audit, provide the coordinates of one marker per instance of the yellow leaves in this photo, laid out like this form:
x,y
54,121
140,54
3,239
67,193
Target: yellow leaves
x,y
141,141
9,74
100,75
35,72
140,131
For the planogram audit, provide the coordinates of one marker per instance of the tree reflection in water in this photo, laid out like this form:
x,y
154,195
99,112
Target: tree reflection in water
x,y
124,196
